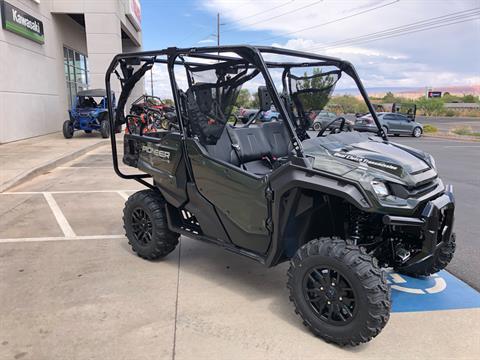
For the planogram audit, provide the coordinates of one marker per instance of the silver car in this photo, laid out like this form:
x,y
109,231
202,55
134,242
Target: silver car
x,y
326,119
392,123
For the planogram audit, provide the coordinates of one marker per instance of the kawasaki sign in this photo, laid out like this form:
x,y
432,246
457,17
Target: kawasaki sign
x,y
21,23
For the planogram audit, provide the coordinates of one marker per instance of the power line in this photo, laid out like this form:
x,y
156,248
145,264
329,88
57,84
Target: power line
x,y
265,11
408,28
330,22
407,32
414,25
277,16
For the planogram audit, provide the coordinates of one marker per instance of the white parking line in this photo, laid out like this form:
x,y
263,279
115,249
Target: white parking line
x,y
84,167
61,238
61,219
123,194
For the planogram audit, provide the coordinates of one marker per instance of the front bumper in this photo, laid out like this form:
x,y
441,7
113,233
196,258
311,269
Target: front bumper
x,y
436,222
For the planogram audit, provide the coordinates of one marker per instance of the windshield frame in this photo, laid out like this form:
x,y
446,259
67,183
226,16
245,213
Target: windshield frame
x,y
134,65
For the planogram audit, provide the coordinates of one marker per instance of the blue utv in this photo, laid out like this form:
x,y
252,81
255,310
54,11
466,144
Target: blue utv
x,y
89,113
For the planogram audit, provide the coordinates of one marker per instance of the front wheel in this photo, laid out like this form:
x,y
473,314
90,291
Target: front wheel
x,y
145,224
339,291
104,129
417,132
68,129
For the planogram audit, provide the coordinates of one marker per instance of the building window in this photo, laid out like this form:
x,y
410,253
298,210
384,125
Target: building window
x,y
76,73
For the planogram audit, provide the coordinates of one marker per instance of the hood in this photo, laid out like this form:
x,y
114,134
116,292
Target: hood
x,y
355,149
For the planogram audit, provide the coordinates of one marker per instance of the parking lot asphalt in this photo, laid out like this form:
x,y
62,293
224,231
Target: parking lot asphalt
x,y
446,124
458,164
71,288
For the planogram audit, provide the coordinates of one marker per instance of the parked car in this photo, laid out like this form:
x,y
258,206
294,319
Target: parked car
x,y
396,124
325,119
270,115
88,113
246,114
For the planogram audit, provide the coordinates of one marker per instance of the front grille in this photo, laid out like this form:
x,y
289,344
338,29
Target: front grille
x,y
417,191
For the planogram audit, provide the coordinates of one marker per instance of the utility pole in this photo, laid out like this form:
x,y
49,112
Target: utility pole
x,y
218,29
151,80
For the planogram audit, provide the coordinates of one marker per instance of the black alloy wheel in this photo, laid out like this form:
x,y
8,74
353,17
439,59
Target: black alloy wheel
x,y
142,226
330,295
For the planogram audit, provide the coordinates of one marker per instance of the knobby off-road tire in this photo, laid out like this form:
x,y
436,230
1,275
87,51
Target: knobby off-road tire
x,y
104,129
437,262
339,291
145,224
67,129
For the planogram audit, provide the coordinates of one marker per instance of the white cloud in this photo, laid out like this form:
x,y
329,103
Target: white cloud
x,y
206,41
442,56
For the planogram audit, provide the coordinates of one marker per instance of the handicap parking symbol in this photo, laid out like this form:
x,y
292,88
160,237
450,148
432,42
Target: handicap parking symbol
x,y
441,291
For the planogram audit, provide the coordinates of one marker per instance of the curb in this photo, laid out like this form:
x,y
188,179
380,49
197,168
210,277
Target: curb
x,y
454,138
49,165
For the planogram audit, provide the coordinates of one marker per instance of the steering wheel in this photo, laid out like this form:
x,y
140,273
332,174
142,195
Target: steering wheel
x,y
335,130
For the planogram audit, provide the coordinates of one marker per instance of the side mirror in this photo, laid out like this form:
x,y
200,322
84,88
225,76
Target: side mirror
x,y
265,99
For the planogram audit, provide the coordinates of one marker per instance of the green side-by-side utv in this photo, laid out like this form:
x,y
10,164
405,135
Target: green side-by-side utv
x,y
340,206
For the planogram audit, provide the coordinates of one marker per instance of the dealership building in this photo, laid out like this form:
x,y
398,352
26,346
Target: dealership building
x,y
50,50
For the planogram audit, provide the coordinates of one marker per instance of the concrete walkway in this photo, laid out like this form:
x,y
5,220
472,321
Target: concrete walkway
x,y
22,160
71,288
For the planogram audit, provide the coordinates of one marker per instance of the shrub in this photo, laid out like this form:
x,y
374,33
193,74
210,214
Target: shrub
x,y
429,128
463,130
449,113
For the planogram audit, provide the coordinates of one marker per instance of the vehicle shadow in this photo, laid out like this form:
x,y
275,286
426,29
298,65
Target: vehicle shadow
x,y
204,266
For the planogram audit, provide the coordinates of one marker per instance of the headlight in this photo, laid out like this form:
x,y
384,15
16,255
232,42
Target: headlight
x,y
380,188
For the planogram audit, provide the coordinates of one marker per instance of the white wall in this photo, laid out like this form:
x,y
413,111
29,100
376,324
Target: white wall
x,y
33,92
32,81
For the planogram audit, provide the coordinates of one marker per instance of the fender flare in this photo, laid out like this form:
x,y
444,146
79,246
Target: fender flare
x,y
304,179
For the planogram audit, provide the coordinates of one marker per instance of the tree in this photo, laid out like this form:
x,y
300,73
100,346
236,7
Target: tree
x,y
254,102
430,106
389,97
469,98
348,104
320,87
243,99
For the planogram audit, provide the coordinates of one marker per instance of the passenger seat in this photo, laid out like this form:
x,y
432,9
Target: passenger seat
x,y
252,148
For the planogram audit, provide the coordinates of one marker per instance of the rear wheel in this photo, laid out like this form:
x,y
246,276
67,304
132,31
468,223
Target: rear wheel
x,y
104,129
317,126
145,224
417,132
68,129
339,291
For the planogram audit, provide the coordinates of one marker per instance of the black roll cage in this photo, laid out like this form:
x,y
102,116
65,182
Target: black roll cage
x,y
247,55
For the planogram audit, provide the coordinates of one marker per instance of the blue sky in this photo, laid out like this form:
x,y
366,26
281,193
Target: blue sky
x,y
442,56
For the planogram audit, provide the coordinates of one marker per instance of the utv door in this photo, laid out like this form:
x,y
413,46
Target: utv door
x,y
238,196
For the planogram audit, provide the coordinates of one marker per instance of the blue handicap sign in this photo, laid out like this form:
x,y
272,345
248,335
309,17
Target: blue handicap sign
x,y
441,291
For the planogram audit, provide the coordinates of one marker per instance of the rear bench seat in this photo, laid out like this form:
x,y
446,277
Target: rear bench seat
x,y
253,148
